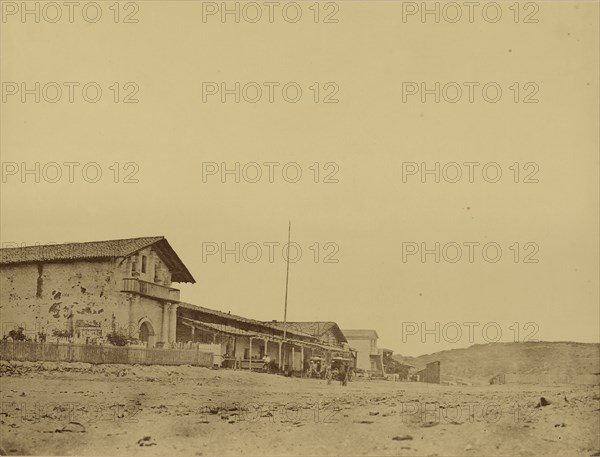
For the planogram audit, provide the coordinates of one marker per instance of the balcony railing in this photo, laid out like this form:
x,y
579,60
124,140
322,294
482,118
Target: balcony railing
x,y
150,289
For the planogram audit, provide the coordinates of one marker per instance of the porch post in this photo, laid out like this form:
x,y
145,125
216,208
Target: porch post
x,y
279,357
301,360
293,358
250,355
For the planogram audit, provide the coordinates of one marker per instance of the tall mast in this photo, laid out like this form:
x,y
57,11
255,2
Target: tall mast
x,y
287,277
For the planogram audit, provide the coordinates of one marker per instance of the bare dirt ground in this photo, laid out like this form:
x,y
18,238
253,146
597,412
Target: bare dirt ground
x,y
79,409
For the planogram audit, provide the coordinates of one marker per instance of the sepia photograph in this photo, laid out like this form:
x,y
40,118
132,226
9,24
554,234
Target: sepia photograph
x,y
302,228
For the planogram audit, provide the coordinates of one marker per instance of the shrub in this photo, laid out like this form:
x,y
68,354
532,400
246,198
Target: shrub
x,y
117,339
17,335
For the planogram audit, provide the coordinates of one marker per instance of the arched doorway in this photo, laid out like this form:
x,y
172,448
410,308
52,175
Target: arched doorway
x,y
147,334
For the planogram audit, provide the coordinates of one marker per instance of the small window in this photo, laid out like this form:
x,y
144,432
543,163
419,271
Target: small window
x,y
143,264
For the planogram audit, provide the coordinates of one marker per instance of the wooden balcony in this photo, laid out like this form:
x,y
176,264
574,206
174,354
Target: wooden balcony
x,y
149,289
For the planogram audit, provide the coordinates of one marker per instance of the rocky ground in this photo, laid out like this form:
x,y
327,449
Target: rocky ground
x,y
80,409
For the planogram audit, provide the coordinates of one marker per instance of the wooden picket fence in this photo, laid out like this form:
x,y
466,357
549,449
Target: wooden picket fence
x,y
86,353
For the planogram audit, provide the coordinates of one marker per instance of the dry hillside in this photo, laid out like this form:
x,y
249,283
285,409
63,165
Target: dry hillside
x,y
559,360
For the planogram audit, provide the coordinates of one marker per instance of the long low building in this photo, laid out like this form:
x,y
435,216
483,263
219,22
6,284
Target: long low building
x,y
245,341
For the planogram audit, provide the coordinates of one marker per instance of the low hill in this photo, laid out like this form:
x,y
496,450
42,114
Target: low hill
x,y
555,361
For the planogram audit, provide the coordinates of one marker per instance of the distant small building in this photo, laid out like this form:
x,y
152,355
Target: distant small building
x,y
368,356
431,373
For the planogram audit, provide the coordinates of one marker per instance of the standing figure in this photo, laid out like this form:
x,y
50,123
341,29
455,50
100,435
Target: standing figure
x,y
266,363
343,375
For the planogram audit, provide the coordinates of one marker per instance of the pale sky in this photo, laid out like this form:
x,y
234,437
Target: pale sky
x,y
368,135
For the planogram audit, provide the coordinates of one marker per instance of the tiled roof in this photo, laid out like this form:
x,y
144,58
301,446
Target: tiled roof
x,y
272,328
315,329
225,316
360,334
221,328
96,250
233,330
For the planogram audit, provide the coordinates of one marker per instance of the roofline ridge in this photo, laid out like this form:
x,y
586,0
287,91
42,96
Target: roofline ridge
x,y
158,238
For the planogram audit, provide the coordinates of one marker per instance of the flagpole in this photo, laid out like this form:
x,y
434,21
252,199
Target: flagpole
x,y
287,276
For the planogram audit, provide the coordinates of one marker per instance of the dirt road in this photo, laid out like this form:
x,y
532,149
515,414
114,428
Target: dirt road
x,y
78,409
